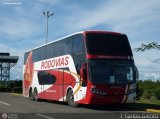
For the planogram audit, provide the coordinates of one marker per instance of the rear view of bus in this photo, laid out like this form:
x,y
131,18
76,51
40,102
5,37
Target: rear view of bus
x,y
109,72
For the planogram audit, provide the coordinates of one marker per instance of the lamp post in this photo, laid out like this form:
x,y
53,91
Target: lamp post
x,y
47,14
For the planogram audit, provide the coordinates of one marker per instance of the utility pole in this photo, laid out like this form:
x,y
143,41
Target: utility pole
x,y
47,14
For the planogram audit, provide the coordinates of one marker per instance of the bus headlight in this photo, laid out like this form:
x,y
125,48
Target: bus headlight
x,y
97,91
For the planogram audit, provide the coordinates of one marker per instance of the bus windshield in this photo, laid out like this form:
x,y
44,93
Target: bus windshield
x,y
111,71
108,44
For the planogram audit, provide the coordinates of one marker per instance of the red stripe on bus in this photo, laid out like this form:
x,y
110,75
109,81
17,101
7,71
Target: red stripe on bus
x,y
90,56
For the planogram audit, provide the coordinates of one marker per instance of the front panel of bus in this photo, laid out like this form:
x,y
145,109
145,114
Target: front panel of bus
x,y
111,76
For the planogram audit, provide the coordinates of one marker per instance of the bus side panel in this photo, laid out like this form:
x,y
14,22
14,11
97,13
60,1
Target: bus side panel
x,y
48,80
57,91
51,77
27,75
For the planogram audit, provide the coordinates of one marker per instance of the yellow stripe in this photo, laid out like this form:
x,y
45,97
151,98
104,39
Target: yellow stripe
x,y
16,94
72,73
153,110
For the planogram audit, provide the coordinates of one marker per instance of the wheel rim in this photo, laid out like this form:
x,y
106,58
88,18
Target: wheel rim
x,y
72,98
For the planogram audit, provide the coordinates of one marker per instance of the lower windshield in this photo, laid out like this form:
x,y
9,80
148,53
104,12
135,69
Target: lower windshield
x,y
111,71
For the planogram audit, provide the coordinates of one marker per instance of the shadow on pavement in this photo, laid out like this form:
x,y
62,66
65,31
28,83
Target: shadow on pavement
x,y
123,107
114,107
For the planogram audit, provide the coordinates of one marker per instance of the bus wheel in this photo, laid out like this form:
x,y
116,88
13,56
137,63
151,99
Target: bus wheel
x,y
35,97
70,99
30,94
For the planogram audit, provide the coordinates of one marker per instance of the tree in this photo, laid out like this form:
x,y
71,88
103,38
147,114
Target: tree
x,y
157,93
144,47
139,89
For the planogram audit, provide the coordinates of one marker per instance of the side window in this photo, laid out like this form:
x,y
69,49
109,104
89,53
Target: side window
x,y
49,51
25,57
59,48
39,54
67,46
45,78
34,57
77,44
77,51
42,53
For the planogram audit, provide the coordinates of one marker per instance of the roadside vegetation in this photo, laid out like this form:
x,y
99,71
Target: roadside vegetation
x,y
148,92
14,86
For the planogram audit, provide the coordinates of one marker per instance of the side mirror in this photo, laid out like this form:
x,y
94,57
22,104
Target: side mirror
x,y
83,73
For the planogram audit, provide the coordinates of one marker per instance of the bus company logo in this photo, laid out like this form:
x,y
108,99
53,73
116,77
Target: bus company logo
x,y
55,62
4,115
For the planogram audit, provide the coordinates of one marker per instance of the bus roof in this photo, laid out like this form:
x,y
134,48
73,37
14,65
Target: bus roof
x,y
80,32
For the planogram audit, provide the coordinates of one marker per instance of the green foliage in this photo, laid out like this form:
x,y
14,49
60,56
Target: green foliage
x,y
144,47
147,94
13,85
152,101
17,90
139,91
157,93
5,89
148,89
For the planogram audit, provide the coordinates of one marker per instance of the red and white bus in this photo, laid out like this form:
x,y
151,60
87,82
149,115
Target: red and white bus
x,y
89,67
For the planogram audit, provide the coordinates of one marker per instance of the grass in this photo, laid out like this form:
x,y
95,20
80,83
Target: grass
x,y
144,104
153,101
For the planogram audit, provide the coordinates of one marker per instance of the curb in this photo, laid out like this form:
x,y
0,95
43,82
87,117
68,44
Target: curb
x,y
153,110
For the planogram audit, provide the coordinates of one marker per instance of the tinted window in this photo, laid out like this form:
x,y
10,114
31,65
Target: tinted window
x,y
67,46
50,51
45,78
78,51
25,57
108,44
39,54
111,71
77,43
72,45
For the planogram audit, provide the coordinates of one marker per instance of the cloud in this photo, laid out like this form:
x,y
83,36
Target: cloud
x,y
150,76
16,71
17,28
156,61
3,48
148,64
151,72
124,16
138,19
51,2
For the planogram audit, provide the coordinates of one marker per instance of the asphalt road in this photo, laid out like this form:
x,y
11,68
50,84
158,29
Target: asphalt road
x,y
15,106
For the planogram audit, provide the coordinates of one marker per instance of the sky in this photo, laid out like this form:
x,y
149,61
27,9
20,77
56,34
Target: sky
x,y
23,26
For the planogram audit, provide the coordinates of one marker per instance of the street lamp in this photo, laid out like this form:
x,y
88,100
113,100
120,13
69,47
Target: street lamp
x,y
47,14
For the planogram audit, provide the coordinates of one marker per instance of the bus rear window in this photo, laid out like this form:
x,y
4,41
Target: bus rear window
x,y
108,44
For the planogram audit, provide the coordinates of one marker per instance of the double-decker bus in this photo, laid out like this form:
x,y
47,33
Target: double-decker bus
x,y
89,67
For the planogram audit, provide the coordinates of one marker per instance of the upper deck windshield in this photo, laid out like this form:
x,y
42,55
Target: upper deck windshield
x,y
110,71
108,44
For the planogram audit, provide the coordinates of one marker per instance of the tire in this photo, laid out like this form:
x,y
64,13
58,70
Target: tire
x,y
30,95
70,99
35,98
